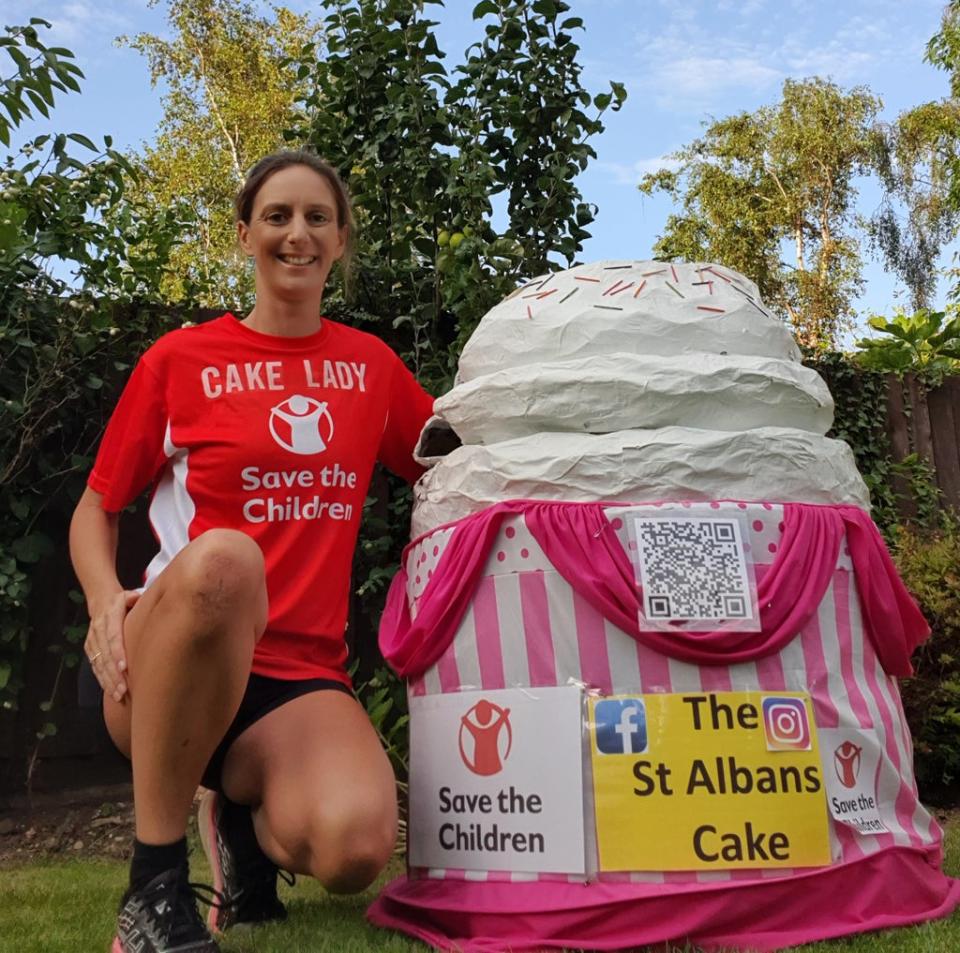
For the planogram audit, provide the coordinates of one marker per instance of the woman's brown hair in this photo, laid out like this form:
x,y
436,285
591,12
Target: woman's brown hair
x,y
243,203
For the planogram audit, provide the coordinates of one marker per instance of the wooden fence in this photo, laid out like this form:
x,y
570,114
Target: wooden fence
x,y
926,423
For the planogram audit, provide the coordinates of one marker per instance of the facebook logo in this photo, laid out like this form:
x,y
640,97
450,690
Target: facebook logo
x,y
621,726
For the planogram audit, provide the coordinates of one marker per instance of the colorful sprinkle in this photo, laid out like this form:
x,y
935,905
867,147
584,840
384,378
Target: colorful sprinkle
x,y
578,278
640,287
729,281
703,307
672,288
569,294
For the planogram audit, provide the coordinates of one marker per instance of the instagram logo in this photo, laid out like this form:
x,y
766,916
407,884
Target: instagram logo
x,y
785,723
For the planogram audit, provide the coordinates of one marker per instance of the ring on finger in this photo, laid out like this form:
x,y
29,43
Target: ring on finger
x,y
93,658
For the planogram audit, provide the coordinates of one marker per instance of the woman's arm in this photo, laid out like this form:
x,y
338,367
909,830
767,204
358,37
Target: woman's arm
x,y
93,549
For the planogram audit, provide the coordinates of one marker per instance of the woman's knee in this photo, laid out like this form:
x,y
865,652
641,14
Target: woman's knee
x,y
355,850
344,846
222,572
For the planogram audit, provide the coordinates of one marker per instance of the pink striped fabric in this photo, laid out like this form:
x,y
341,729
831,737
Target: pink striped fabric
x,y
536,629
837,665
525,625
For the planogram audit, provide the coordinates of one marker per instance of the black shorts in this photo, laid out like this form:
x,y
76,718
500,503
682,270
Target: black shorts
x,y
261,697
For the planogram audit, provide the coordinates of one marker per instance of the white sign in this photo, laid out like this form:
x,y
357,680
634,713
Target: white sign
x,y
496,780
693,570
851,759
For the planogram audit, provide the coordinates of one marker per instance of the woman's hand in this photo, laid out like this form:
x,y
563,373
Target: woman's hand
x,y
104,644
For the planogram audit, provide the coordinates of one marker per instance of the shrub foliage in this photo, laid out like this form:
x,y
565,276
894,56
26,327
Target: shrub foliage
x,y
929,563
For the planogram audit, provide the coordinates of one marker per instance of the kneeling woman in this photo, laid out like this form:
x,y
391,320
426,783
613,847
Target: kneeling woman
x,y
227,668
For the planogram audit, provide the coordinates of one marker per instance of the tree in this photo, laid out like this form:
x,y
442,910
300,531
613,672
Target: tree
x,y
919,166
231,93
917,163
782,177
424,150
78,261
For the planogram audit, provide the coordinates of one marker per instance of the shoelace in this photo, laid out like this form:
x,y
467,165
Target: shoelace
x,y
259,892
187,923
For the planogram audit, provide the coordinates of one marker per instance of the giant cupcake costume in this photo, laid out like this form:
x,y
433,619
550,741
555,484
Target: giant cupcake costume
x,y
652,638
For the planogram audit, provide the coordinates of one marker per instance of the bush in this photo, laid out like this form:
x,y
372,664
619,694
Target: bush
x,y
79,261
930,566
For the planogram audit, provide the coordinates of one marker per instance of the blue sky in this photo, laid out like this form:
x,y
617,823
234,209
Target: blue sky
x,y
682,63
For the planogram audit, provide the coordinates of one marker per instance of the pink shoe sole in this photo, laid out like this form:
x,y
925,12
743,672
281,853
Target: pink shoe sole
x,y
116,947
206,823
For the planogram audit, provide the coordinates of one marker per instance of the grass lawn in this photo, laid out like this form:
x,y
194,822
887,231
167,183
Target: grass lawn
x,y
68,907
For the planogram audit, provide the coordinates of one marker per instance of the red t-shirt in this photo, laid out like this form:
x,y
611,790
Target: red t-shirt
x,y
276,437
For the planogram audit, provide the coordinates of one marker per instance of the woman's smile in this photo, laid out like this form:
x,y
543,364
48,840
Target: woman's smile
x,y
293,237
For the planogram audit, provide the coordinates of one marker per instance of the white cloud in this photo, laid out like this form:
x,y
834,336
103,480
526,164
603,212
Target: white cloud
x,y
740,52
630,173
76,24
712,75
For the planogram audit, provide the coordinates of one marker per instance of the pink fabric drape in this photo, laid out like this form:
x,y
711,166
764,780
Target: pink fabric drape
x,y
579,541
890,888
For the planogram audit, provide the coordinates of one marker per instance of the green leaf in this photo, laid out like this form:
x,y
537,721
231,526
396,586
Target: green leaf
x,y
38,102
484,8
83,140
31,548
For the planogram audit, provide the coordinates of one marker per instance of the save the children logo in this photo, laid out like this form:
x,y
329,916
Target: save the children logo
x,y
301,424
621,726
785,723
846,762
486,738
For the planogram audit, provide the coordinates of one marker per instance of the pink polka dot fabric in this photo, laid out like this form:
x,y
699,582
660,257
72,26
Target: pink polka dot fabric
x,y
762,522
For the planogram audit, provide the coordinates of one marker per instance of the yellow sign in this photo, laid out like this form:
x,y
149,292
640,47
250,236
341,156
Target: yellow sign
x,y
707,781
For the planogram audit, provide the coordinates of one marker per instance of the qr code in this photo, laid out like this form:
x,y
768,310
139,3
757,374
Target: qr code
x,y
692,569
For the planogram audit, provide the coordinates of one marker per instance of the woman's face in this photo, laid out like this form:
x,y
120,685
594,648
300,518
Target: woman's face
x,y
293,234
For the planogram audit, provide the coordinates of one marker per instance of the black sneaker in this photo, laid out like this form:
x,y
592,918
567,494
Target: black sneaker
x,y
249,890
162,917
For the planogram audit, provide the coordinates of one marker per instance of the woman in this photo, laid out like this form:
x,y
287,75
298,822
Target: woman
x,y
227,668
